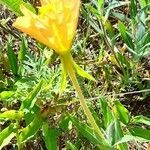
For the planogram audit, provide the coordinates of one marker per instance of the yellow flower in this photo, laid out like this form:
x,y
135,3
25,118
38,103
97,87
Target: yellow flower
x,y
54,25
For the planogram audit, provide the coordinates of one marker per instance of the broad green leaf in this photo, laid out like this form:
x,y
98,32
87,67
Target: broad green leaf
x,y
88,133
140,132
6,94
12,59
12,114
6,135
122,112
70,146
50,137
29,102
106,112
141,119
29,131
83,73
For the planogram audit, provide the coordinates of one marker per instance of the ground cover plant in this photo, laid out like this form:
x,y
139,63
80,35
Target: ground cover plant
x,y
75,74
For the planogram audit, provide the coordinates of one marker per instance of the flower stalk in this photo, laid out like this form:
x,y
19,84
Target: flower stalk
x,y
67,62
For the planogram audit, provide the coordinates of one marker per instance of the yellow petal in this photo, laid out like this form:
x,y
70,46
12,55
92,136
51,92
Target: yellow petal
x,y
54,26
28,25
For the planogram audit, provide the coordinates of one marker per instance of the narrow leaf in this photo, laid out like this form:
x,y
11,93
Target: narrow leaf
x,y
83,73
119,135
70,146
14,5
133,10
50,137
23,50
140,132
6,135
106,112
29,131
128,138
127,39
122,112
29,102
12,59
141,119
88,133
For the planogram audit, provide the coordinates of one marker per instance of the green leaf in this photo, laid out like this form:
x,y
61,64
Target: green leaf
x,y
6,135
23,50
106,112
143,3
12,114
109,29
127,39
92,23
110,133
70,146
29,116
50,137
123,60
29,131
29,102
128,138
65,123
12,59
119,134
141,28
88,133
82,72
6,94
122,112
100,4
96,117
140,132
112,5
141,119
14,5
133,10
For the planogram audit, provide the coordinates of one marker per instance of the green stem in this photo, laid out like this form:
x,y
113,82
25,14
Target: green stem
x,y
67,61
17,136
